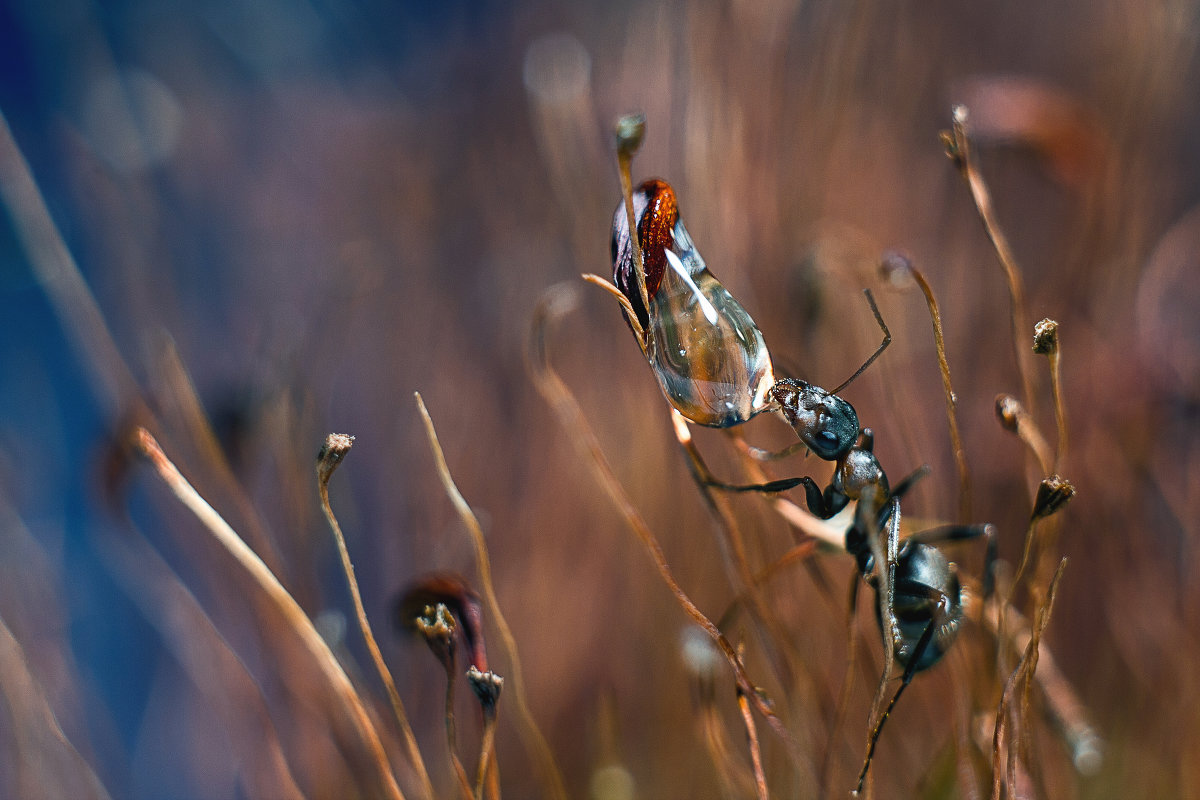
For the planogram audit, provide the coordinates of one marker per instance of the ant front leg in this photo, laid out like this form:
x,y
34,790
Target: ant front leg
x,y
822,504
770,487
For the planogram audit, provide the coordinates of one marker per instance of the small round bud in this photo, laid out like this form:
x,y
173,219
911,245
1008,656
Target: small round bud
x,y
1053,493
1008,411
630,129
1045,337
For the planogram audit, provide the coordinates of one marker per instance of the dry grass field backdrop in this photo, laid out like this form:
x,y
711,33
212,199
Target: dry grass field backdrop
x,y
244,226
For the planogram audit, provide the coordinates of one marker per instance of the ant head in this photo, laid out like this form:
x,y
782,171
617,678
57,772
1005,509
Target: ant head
x,y
827,424
655,213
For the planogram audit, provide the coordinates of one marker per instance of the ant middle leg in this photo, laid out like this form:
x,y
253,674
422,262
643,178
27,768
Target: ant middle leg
x,y
959,533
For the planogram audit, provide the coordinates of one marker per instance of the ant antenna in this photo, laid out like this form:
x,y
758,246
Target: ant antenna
x,y
887,339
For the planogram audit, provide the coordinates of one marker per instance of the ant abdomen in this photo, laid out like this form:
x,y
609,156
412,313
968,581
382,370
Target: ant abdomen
x,y
704,348
927,592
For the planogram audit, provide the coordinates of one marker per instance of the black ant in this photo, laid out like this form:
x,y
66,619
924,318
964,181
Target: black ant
x,y
714,369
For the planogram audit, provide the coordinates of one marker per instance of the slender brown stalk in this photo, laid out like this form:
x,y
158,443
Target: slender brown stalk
x,y
535,742
1023,674
460,772
760,777
630,130
630,314
487,687
1014,417
1062,703
960,455
733,549
555,302
843,703
486,749
336,446
47,764
287,606
1046,342
222,678
60,278
958,147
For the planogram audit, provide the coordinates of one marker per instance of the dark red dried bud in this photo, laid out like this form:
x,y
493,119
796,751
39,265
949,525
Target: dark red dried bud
x,y
420,602
656,212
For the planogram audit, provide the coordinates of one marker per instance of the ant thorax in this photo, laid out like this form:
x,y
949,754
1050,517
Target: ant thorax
x,y
859,469
704,348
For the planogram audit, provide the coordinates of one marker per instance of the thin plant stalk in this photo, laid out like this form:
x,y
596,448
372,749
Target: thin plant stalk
x,y
734,781
46,762
843,703
1060,410
287,606
1016,418
336,447
958,147
629,132
960,455
57,272
220,676
760,777
554,303
1063,704
486,749
460,772
732,543
1023,674
59,275
535,742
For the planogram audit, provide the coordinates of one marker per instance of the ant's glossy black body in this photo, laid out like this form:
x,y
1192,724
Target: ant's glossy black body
x,y
919,596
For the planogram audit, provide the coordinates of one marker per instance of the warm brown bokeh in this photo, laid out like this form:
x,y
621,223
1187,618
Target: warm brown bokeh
x,y
309,234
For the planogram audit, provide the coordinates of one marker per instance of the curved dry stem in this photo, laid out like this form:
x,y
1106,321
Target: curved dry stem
x,y
1016,418
733,550
1023,674
638,332
554,303
287,606
336,447
625,153
221,677
1046,342
959,149
486,749
535,742
47,763
1063,705
843,703
60,278
960,455
760,777
460,772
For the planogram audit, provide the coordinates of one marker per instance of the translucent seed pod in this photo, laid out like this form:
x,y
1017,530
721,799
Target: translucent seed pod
x,y
704,348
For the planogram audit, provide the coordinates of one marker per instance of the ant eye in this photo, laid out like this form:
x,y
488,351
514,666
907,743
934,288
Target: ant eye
x,y
706,352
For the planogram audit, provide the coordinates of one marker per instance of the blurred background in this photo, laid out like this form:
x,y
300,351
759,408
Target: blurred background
x,y
292,215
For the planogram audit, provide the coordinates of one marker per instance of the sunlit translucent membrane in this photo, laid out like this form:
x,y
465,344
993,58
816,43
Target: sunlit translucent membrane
x,y
707,353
